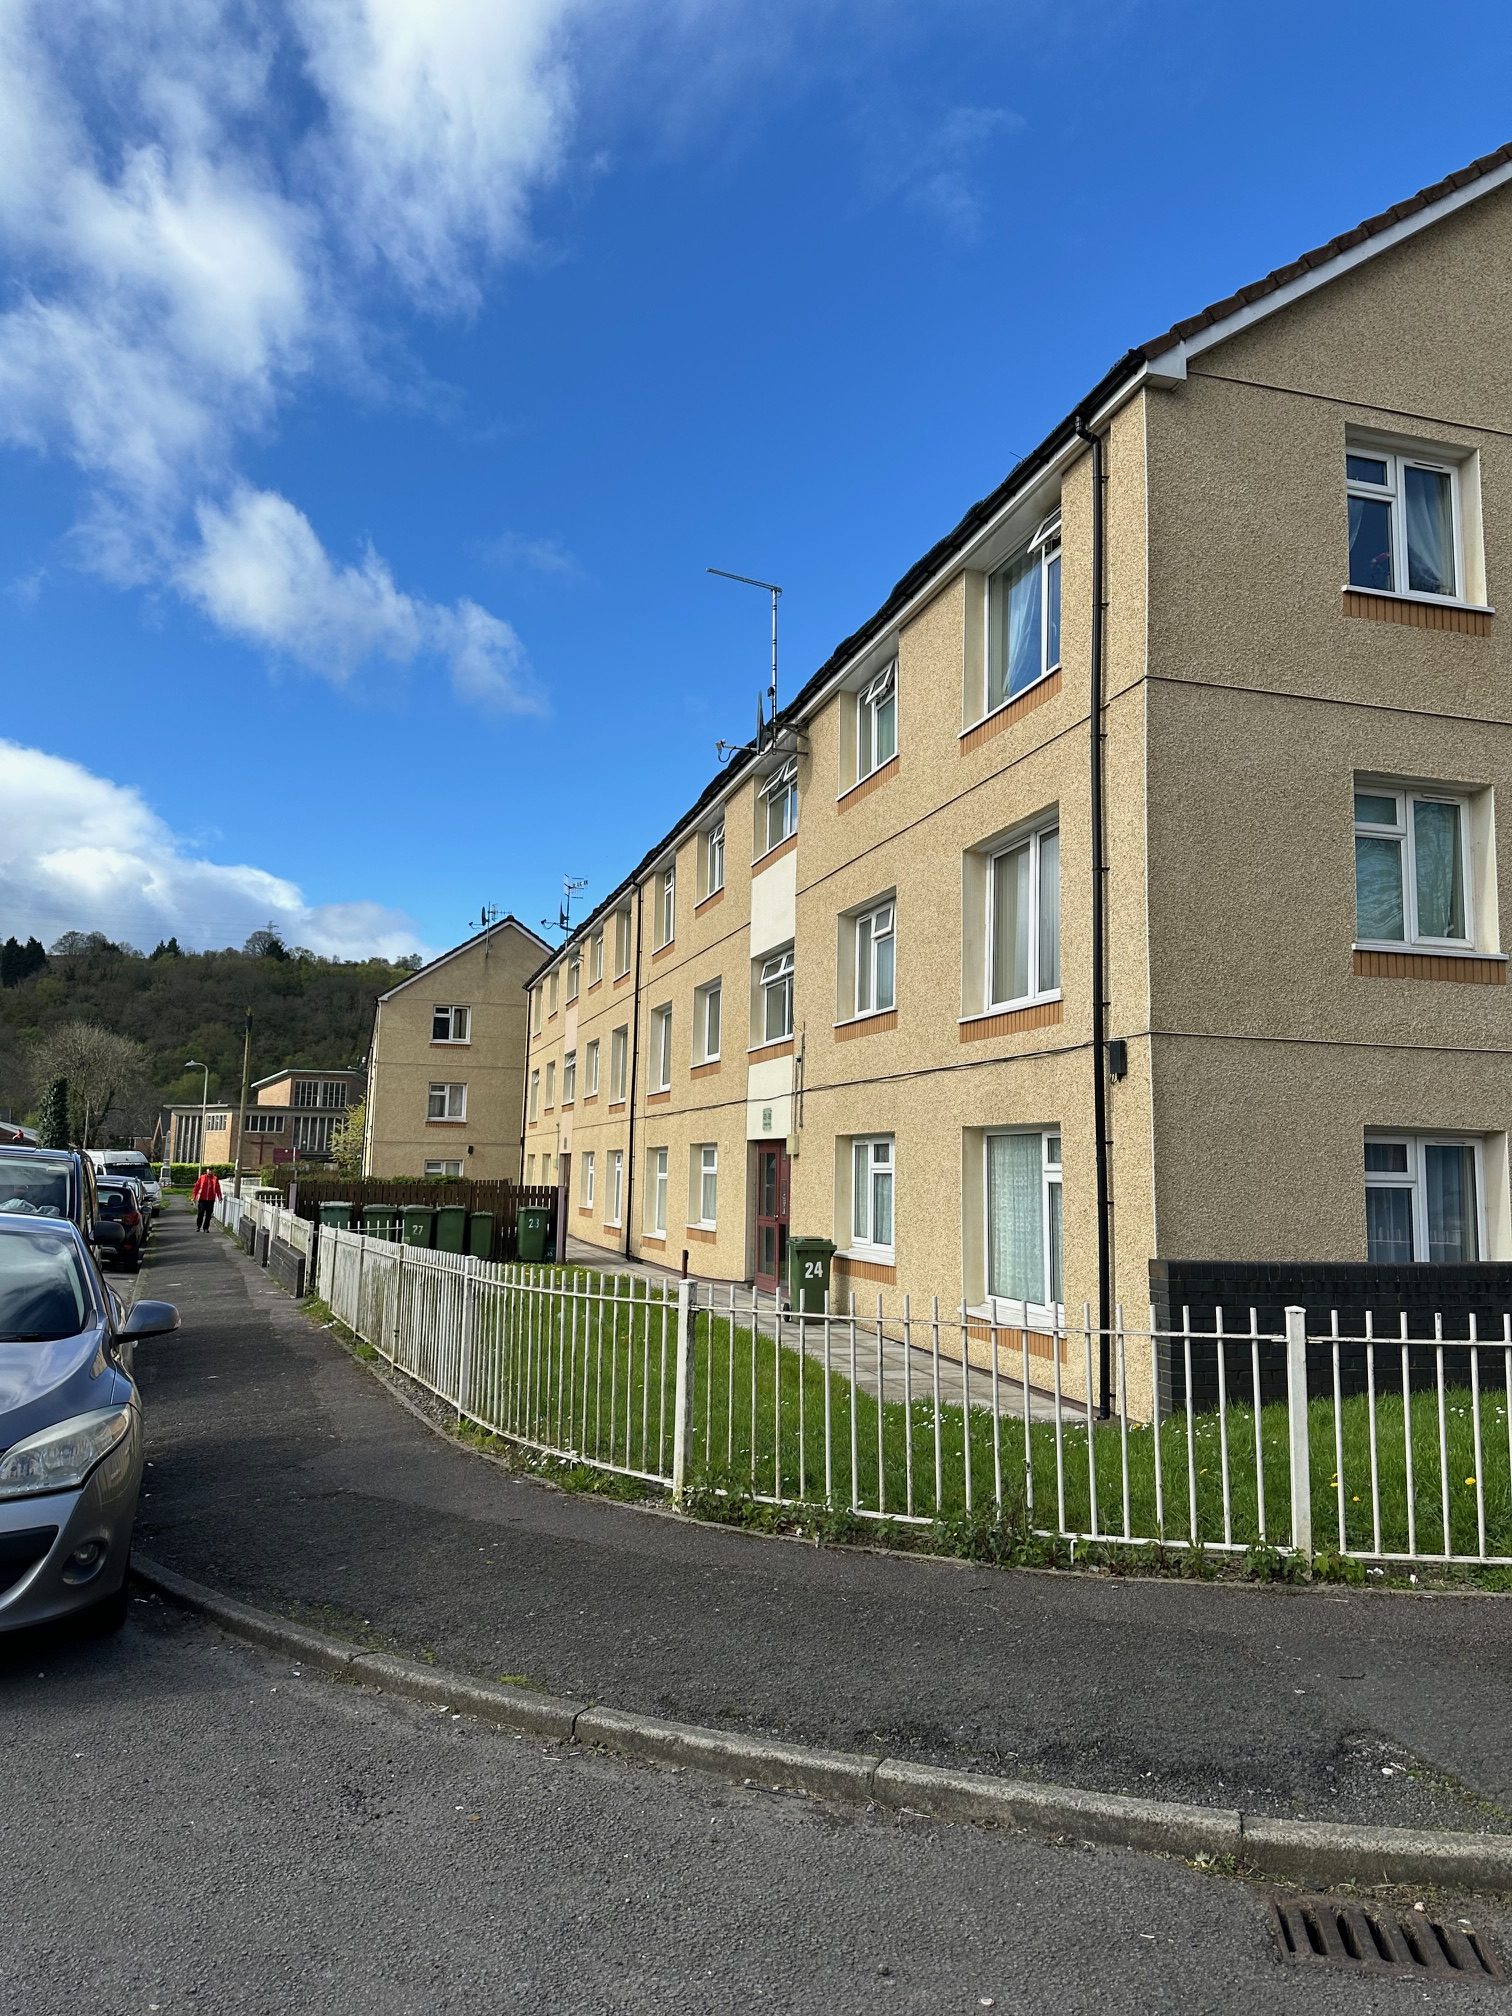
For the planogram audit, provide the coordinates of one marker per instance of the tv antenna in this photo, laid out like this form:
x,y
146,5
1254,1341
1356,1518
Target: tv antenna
x,y
488,915
571,884
725,750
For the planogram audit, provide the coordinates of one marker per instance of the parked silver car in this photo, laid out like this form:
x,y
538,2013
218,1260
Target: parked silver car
x,y
70,1427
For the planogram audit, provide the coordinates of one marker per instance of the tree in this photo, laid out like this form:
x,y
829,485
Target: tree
x,y
52,1128
11,956
106,1074
167,948
346,1139
265,944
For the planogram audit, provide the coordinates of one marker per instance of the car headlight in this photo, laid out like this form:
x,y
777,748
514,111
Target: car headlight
x,y
61,1457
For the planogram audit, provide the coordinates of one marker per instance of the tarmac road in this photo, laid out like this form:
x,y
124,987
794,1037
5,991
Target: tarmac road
x,y
189,1824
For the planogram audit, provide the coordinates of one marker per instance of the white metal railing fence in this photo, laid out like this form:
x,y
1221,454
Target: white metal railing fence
x,y
279,1223
1229,1438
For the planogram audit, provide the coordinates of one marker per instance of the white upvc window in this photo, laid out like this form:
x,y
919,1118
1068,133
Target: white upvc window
x,y
535,1095
779,801
619,1052
530,1168
877,722
446,1102
591,1070
1412,873
590,1176
553,989
535,1009
656,1192
569,1078
595,958
574,976
1424,1198
621,943
1022,1188
1404,524
661,1049
777,997
1023,921
703,1204
443,1169
551,1085
666,907
876,960
450,1024
708,1005
871,1227
616,1186
714,858
1023,616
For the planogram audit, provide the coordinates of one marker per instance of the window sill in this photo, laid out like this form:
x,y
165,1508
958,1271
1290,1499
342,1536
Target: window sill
x,y
1044,688
594,985
663,949
657,1239
1418,612
868,1262
706,1069
864,786
448,1123
1425,950
656,1098
703,1231
874,1022
621,978
1396,962
616,1105
451,1043
707,902
774,853
1045,1013
783,1047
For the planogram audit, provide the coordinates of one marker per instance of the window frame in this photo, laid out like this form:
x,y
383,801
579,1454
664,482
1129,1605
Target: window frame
x,y
881,688
590,1178
591,1068
711,991
1045,542
1393,493
569,1078
619,1055
595,958
623,933
874,934
707,1171
1404,833
533,1097
551,1085
714,858
574,977
1000,1308
656,1193
446,1170
666,906
451,1010
769,981
780,790
446,1087
863,1244
1415,1179
660,1058
616,1174
1033,839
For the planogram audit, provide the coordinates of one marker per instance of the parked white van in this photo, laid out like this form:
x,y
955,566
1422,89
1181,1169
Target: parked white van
x,y
129,1162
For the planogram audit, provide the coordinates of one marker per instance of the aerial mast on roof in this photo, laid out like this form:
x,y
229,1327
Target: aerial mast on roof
x,y
765,728
571,884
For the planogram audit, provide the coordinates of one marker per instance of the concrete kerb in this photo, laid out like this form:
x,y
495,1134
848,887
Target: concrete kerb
x,y
1303,1851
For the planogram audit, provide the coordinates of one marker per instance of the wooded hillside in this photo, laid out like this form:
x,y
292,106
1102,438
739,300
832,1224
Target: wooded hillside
x,y
178,1005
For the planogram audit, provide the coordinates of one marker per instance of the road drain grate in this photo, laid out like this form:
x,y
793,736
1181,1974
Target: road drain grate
x,y
1324,1932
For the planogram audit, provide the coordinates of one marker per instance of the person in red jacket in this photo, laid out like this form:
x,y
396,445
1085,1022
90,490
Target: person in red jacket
x,y
206,1193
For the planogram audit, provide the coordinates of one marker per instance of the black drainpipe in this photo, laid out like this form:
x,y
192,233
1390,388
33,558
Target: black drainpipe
x,y
640,913
1099,1006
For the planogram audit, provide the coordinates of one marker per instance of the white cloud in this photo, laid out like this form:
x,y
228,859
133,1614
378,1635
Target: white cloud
x,y
188,239
81,853
261,573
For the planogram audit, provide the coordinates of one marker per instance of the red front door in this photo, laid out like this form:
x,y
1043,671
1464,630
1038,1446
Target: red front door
x,y
773,1172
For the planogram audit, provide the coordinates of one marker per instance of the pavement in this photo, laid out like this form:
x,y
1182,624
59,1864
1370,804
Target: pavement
x,y
243,1837
285,1474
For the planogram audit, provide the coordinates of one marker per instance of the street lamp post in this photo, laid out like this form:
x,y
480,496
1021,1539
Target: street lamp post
x,y
194,1064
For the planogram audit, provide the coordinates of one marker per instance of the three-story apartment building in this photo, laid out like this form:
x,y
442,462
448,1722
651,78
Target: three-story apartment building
x,y
1123,898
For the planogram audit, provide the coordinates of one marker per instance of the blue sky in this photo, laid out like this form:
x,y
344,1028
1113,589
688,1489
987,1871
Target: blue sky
x,y
378,378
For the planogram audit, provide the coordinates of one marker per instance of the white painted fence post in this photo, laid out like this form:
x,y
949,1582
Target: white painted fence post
x,y
469,1329
682,1412
398,1301
1296,1421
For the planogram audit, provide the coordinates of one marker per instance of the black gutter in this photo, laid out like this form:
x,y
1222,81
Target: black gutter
x,y
1099,872
640,913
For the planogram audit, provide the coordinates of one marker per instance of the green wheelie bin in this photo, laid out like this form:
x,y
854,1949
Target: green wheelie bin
x,y
533,1232
419,1224
480,1234
381,1221
809,1274
451,1228
332,1213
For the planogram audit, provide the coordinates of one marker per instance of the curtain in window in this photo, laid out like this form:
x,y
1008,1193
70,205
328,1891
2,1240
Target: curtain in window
x,y
1388,1223
1449,1177
1430,532
1370,563
885,972
1378,889
887,729
1010,925
1018,642
1440,870
860,1176
1015,1229
882,1207
1049,911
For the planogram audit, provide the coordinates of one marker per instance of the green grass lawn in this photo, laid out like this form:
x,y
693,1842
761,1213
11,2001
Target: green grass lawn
x,y
563,1372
